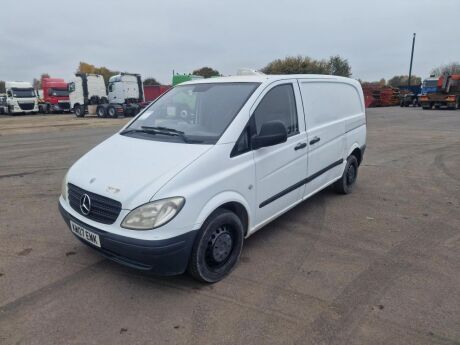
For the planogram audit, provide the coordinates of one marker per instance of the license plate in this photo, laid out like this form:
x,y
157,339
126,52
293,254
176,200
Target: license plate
x,y
87,235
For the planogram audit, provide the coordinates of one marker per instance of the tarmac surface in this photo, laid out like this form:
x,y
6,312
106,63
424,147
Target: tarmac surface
x,y
379,266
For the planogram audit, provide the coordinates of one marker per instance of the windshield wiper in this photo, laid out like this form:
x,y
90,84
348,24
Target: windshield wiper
x,y
170,131
133,130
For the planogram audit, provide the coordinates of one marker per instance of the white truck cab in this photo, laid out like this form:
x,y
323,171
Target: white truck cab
x,y
126,92
20,98
86,89
209,163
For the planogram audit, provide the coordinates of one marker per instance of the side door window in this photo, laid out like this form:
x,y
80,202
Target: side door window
x,y
278,105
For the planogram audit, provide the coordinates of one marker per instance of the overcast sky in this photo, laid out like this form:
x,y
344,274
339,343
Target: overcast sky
x,y
156,37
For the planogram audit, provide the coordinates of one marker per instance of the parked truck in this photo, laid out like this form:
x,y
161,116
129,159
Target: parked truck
x,y
429,85
126,93
20,98
53,96
86,90
447,94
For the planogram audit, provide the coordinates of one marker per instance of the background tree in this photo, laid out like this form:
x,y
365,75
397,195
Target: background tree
x,y
402,80
84,67
151,81
339,66
2,86
306,65
451,68
206,72
37,83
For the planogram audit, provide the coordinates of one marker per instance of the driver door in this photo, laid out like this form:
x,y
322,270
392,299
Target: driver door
x,y
280,169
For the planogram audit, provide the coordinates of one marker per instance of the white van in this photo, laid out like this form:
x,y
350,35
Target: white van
x,y
208,164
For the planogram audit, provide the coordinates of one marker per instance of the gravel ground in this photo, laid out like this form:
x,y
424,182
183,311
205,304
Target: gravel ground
x,y
379,266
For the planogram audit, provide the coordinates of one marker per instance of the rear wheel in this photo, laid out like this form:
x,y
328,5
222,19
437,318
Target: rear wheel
x,y
112,112
345,184
79,110
217,247
100,111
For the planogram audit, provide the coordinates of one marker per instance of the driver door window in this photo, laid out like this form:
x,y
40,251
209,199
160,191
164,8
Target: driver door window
x,y
278,105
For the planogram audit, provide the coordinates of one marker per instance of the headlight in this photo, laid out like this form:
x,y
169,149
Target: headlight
x,y
64,187
153,214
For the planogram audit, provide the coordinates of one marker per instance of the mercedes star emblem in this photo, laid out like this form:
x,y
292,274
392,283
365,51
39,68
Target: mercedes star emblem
x,y
85,204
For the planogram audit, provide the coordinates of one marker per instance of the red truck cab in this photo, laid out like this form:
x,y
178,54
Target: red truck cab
x,y
54,96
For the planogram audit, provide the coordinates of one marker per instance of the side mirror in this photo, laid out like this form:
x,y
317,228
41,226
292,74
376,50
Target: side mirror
x,y
271,133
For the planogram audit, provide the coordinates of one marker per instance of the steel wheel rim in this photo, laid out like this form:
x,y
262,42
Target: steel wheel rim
x,y
219,247
351,175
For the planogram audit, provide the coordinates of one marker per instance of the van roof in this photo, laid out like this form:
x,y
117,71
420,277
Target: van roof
x,y
266,78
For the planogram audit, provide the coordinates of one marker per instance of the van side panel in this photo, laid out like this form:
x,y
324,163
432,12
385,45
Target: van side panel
x,y
333,108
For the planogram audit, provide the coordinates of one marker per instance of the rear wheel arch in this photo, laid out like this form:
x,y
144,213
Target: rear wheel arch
x,y
357,152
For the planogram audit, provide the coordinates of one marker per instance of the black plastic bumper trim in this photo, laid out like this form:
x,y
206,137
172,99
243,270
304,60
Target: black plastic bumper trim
x,y
163,257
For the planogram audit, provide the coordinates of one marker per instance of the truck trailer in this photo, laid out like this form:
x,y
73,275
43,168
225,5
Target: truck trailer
x,y
85,90
20,98
447,94
53,96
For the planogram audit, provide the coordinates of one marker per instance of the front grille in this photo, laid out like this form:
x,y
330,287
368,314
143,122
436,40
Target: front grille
x,y
64,105
103,210
26,106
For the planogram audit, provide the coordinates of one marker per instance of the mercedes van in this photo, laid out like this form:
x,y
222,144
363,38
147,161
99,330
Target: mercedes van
x,y
209,163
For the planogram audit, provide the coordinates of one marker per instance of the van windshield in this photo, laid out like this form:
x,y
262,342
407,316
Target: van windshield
x,y
23,93
197,113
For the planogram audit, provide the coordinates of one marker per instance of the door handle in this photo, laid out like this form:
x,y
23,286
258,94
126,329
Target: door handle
x,y
300,146
314,140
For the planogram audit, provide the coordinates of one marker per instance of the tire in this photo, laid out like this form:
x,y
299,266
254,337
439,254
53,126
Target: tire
x,y
217,247
79,111
112,112
100,111
345,184
47,109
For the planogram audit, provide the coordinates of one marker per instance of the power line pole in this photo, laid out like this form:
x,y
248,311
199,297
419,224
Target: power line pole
x,y
411,60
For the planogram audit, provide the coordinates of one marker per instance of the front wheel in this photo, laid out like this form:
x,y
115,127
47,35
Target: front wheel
x,y
345,184
79,110
217,247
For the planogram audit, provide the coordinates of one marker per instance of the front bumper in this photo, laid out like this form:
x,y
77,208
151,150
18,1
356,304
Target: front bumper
x,y
162,257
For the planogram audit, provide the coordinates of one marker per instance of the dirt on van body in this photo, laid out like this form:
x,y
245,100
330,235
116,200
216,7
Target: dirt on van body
x,y
379,266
